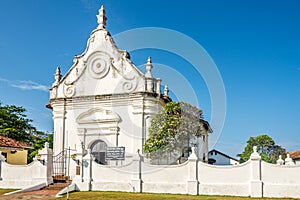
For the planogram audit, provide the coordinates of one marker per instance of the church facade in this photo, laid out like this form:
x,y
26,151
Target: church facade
x,y
104,100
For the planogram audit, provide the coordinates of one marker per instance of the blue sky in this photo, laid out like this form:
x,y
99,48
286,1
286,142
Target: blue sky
x,y
254,44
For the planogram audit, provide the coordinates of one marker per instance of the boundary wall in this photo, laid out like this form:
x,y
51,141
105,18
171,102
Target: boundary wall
x,y
254,178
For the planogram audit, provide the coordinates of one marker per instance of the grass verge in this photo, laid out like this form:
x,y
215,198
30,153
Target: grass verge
x,y
150,196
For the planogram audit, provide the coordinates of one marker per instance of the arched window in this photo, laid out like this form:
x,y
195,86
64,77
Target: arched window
x,y
98,149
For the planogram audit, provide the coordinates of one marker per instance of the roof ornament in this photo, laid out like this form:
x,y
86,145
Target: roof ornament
x,y
57,76
149,68
166,90
101,18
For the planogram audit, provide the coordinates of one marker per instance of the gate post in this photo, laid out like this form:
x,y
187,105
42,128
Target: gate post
x,y
136,179
192,182
87,161
2,159
45,155
256,185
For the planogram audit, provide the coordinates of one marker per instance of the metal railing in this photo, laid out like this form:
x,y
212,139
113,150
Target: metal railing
x,y
60,164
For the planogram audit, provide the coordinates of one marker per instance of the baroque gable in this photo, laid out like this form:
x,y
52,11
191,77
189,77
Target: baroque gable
x,y
102,69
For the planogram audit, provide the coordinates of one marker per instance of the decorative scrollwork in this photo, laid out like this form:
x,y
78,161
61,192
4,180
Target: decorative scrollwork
x,y
69,91
129,86
98,65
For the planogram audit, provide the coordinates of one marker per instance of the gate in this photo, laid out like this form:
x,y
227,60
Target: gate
x,y
60,165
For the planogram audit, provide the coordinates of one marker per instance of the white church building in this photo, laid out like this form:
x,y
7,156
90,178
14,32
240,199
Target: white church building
x,y
102,109
104,101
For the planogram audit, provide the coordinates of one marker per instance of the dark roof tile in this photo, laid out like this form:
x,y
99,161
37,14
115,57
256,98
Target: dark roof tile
x,y
12,143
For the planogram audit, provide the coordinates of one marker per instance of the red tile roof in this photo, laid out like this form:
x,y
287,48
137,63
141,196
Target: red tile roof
x,y
12,143
295,154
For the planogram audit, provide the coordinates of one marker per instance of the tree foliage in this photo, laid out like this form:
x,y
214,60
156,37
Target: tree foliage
x,y
266,147
39,144
172,129
15,124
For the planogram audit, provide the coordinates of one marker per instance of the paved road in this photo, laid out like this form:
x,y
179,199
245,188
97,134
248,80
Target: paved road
x,y
35,195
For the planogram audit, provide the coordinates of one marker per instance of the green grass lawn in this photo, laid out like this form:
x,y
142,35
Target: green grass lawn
x,y
142,196
148,196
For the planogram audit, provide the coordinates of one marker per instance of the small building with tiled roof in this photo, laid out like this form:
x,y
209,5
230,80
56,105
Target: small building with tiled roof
x,y
14,151
295,155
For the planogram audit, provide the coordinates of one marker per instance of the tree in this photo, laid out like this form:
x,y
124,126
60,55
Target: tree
x,y
173,130
39,144
15,124
266,147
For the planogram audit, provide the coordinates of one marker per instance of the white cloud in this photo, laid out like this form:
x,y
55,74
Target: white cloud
x,y
25,85
4,80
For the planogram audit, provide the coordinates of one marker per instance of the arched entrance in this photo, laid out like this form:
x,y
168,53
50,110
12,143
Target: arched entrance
x,y
98,149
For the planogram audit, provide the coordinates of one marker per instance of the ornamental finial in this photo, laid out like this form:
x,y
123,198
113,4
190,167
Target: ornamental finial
x,y
166,90
101,18
149,68
149,60
57,76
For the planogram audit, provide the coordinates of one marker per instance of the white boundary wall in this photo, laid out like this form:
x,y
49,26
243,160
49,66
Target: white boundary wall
x,y
14,176
224,180
253,178
280,180
24,176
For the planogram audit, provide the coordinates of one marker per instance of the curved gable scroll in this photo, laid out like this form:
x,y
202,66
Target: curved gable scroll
x,y
98,115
